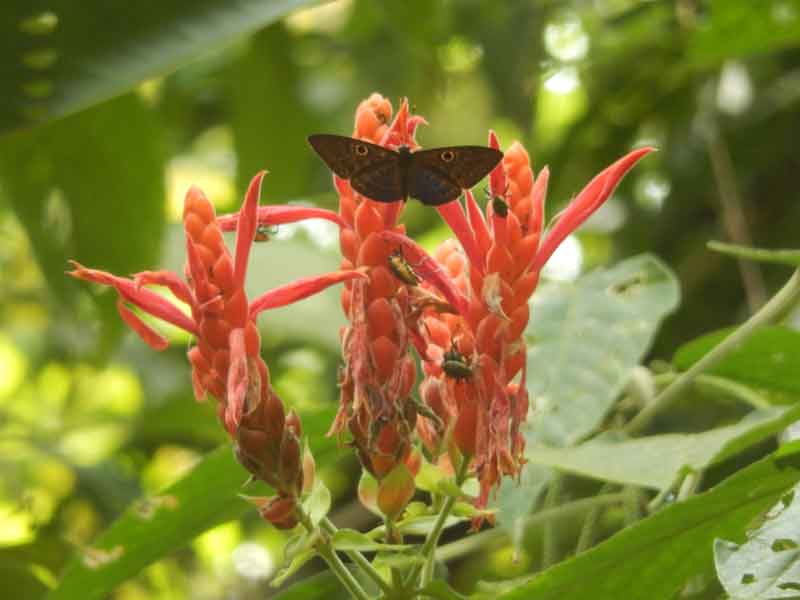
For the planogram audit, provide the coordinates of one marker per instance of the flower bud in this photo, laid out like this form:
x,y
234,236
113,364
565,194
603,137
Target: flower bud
x,y
395,491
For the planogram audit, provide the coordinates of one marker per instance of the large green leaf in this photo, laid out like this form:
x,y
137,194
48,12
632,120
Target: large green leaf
x,y
767,565
657,460
62,56
585,338
656,557
81,195
155,526
769,359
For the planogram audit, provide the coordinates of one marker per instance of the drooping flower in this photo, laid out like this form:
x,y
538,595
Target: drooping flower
x,y
226,361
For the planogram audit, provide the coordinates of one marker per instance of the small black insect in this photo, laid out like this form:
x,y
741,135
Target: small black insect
x,y
455,365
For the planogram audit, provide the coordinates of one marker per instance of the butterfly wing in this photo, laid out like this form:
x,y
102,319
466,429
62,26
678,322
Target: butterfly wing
x,y
373,171
437,176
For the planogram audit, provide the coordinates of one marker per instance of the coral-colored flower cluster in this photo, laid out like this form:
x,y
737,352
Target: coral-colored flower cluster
x,y
462,312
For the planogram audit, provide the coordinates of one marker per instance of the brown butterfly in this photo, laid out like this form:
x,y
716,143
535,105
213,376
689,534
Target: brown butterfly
x,y
433,177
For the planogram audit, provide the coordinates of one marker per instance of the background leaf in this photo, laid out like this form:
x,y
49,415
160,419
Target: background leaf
x,y
767,565
584,338
658,555
153,527
769,359
655,461
75,70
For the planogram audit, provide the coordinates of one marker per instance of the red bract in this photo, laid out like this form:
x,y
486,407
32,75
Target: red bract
x,y
226,360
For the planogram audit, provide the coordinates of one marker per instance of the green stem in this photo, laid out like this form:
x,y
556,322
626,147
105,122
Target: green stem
x,y
429,547
786,297
720,385
359,559
549,533
586,537
568,510
326,551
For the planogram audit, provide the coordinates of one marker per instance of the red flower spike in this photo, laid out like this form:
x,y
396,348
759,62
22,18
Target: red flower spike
x,y
300,289
588,200
538,196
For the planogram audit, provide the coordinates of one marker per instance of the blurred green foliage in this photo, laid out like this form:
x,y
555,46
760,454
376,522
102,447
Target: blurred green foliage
x,y
109,110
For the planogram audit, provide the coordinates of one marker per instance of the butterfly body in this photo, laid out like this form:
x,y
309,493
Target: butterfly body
x,y
434,176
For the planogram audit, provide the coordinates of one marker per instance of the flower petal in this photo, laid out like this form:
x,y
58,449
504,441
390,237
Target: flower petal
x,y
281,215
538,197
150,336
453,215
246,228
478,224
237,379
147,300
589,200
299,289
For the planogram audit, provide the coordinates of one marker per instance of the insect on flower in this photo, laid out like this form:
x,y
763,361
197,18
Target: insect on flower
x,y
455,364
400,268
265,232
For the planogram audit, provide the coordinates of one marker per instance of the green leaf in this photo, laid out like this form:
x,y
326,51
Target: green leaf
x,y
658,555
439,589
54,68
739,29
584,339
424,525
82,204
318,502
350,539
153,527
784,257
295,564
657,460
769,359
767,565
323,586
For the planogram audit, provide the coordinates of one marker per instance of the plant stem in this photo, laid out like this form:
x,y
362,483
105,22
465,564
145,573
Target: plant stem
x,y
429,547
586,537
549,533
786,297
568,510
326,551
328,527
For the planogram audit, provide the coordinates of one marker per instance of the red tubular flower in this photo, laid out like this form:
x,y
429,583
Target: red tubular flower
x,y
472,358
226,360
